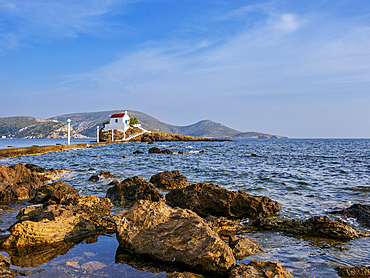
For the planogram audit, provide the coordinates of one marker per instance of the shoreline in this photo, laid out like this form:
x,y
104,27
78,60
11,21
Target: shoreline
x,y
38,150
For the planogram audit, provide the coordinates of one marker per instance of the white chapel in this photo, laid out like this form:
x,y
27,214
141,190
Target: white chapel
x,y
119,122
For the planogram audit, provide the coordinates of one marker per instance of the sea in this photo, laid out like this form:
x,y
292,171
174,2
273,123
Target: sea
x,y
309,177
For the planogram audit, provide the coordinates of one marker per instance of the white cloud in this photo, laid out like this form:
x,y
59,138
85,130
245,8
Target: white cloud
x,y
32,21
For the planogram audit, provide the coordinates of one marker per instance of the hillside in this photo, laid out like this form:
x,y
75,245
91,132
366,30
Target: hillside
x,y
85,123
30,127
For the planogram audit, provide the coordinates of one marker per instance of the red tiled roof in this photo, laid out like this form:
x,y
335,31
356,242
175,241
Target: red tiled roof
x,y
117,116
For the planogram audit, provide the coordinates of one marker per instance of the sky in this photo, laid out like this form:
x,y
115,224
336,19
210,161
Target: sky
x,y
294,68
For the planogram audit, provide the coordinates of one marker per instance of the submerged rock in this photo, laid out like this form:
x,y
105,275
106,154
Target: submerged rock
x,y
210,199
358,271
133,189
17,182
318,226
102,175
259,269
169,180
46,175
224,227
158,150
173,235
358,211
243,247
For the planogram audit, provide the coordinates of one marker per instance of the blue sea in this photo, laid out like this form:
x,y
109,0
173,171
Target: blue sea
x,y
309,177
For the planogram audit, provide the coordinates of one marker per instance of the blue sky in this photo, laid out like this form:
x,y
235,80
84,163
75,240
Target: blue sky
x,y
294,68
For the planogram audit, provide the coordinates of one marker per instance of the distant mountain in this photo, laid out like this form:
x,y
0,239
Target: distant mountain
x,y
86,123
30,127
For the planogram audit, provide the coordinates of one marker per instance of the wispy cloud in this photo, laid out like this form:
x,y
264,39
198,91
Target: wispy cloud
x,y
29,21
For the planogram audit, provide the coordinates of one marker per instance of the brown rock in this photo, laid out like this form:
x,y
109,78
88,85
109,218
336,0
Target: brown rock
x,y
224,227
157,150
133,189
173,235
80,218
46,175
17,182
243,247
102,175
4,261
184,275
358,211
169,180
44,190
357,271
210,199
30,212
60,195
318,226
182,152
259,269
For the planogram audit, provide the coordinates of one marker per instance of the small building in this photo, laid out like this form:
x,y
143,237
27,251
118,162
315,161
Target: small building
x,y
119,122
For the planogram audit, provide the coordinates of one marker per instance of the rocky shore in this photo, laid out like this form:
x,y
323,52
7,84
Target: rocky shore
x,y
194,230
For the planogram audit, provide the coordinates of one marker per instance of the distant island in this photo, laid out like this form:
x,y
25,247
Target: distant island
x,y
84,126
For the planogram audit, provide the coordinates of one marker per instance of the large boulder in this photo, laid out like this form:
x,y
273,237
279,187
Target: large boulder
x,y
358,211
79,218
169,180
173,235
211,199
60,195
133,189
318,226
17,182
259,269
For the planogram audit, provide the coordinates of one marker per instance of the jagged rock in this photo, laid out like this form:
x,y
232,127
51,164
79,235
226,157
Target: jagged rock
x,y
17,182
210,199
60,195
224,227
46,175
259,269
30,212
102,175
158,150
44,190
358,211
78,218
133,189
138,152
169,180
357,271
243,247
173,235
4,261
318,226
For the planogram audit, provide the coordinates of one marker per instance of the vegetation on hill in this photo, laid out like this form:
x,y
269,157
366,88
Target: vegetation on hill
x,y
86,123
30,127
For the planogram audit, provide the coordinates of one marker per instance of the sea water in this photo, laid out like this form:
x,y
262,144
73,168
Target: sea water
x,y
16,142
309,177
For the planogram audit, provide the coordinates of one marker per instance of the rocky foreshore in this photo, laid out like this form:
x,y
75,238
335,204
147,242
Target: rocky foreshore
x,y
192,231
